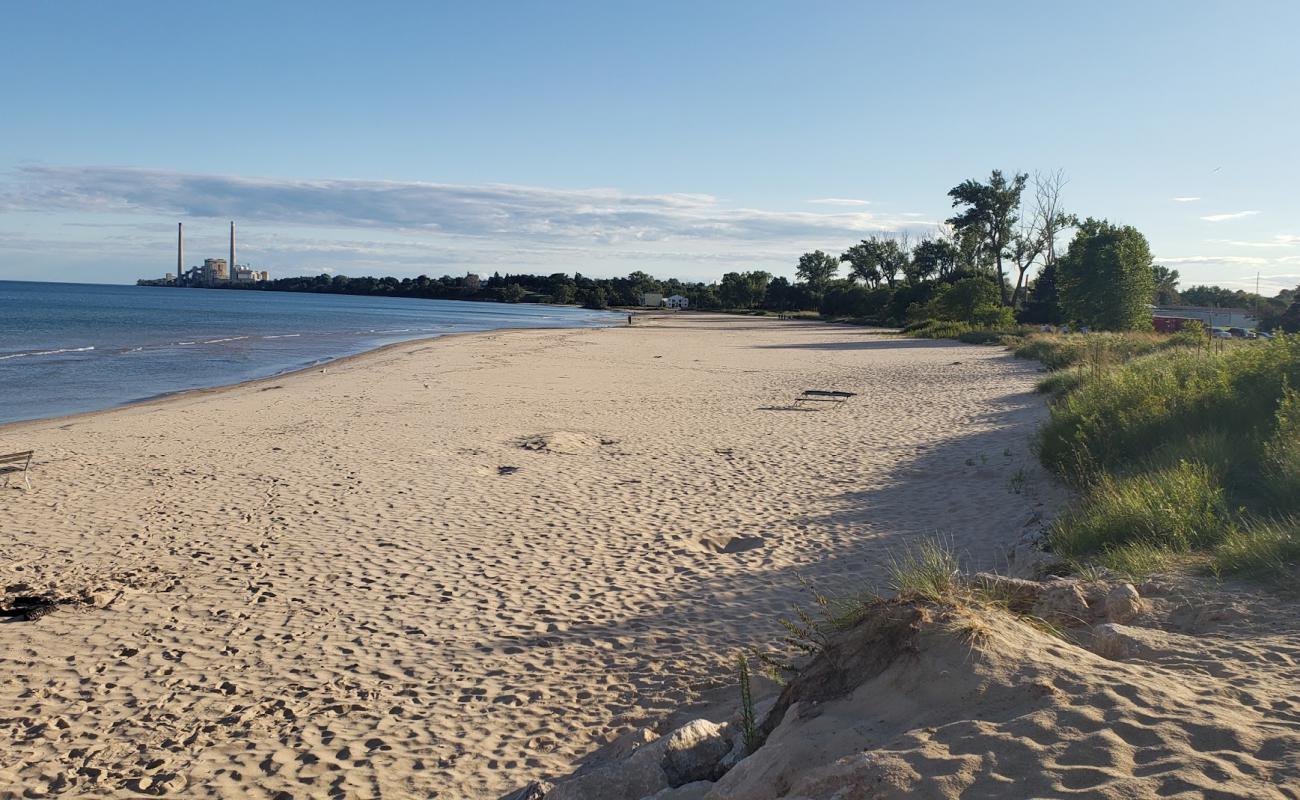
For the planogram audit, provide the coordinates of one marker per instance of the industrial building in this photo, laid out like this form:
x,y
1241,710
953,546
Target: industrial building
x,y
213,271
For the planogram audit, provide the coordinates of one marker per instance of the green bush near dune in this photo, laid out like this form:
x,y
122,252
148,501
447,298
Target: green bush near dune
x,y
1178,508
1180,452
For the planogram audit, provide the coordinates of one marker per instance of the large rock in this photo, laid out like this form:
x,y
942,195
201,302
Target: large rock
x,y
1062,603
692,752
687,755
691,791
1123,604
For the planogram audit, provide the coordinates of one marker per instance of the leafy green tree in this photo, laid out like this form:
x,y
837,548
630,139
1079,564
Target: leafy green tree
x,y
1105,278
1166,286
862,262
932,258
743,289
817,269
989,212
960,300
1042,305
513,293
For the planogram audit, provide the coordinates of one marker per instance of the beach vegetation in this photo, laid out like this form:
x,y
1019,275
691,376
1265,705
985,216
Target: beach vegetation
x,y
928,570
1105,279
1180,454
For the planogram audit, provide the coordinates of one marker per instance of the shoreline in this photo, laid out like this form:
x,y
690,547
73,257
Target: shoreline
x,y
181,394
455,568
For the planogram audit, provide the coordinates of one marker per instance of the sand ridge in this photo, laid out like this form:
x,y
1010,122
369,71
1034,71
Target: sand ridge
x,y
334,583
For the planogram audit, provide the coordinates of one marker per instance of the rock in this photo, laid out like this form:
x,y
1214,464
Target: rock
x,y
693,752
1154,589
1020,594
689,754
639,775
533,791
1063,603
1111,641
689,791
1123,603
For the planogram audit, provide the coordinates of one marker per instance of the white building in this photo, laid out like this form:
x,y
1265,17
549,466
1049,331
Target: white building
x,y
1209,316
676,301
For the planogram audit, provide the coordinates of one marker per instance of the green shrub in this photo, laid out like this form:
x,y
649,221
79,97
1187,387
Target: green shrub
x,y
993,316
1177,509
1137,561
1060,382
1281,455
1260,548
926,571
1119,416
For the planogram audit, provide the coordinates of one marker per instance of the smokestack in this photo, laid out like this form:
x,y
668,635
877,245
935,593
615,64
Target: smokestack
x,y
180,250
232,249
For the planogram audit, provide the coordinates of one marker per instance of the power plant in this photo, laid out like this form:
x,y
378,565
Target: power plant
x,y
213,271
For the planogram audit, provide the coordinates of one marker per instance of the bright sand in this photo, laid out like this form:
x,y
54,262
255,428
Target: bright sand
x,y
327,583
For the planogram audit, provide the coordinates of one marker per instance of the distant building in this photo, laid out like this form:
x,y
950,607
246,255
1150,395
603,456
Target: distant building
x,y
266,276
652,299
472,281
215,269
246,275
1209,316
676,301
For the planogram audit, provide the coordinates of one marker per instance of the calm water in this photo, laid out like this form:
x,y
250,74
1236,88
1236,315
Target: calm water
x,y
66,348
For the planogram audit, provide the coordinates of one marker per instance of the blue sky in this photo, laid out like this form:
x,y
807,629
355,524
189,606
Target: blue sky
x,y
685,139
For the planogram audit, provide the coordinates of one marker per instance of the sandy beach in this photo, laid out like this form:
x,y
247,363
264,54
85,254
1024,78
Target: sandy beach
x,y
448,567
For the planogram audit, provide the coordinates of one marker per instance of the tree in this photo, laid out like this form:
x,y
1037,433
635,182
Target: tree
x,y
1034,241
817,269
1166,286
743,289
1105,278
877,258
989,216
862,264
932,258
1289,321
1043,305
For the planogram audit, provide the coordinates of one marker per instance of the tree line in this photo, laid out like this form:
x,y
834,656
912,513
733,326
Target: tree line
x,y
993,263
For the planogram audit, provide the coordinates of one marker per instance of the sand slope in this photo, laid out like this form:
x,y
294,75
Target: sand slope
x,y
332,584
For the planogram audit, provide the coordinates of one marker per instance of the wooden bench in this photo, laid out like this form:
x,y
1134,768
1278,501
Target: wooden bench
x,y
14,463
823,396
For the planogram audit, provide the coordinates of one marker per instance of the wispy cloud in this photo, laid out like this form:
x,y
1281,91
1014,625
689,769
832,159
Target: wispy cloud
x,y
127,215
839,201
487,210
1185,199
1230,260
1225,217
1280,240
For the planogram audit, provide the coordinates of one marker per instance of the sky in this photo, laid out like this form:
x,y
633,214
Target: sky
x,y
685,139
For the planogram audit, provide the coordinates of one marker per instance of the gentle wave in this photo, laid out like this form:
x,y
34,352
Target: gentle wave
x,y
46,352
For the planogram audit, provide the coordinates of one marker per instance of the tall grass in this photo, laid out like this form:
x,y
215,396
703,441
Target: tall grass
x,y
1179,451
926,571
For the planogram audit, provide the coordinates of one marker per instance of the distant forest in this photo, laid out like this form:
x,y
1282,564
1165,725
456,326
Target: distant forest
x,y
994,264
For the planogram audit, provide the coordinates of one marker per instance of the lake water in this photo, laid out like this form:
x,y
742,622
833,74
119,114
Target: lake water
x,y
67,348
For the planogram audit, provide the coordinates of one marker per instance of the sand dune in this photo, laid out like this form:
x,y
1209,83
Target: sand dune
x,y
449,567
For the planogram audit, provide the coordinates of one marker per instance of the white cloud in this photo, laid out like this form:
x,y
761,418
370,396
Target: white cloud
x,y
840,201
1185,199
598,216
1231,260
1280,240
1233,215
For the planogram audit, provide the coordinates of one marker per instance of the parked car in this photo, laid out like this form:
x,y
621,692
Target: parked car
x,y
1220,333
1265,335
1242,333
